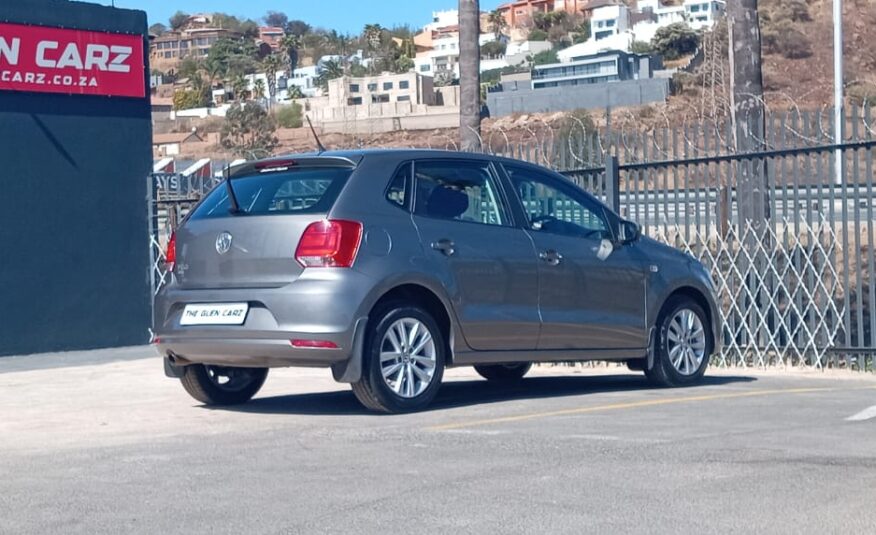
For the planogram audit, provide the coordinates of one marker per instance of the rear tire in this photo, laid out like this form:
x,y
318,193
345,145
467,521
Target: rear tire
x,y
506,373
403,360
221,385
683,344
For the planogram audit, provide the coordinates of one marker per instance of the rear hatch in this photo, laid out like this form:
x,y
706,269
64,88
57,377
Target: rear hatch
x,y
254,247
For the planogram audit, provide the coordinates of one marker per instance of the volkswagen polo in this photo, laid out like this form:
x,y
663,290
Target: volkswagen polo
x,y
391,266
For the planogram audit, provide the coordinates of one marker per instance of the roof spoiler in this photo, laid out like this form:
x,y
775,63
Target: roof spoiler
x,y
287,162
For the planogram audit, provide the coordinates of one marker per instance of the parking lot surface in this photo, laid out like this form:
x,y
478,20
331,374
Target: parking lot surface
x,y
102,442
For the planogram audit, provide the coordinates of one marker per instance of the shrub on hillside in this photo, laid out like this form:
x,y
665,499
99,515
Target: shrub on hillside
x,y
545,58
538,35
186,99
290,116
862,95
676,40
792,10
784,38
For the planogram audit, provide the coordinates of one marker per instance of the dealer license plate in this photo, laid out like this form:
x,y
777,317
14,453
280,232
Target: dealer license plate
x,y
215,314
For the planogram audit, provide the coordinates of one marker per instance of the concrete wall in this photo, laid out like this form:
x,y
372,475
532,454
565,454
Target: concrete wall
x,y
73,221
596,96
446,118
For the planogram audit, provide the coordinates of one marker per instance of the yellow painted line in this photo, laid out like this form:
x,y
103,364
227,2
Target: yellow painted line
x,y
638,404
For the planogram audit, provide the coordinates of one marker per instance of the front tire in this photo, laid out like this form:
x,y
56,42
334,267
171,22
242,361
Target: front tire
x,y
505,373
222,385
403,360
682,345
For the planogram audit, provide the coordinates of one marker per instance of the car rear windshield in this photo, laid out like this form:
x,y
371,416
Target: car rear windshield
x,y
299,191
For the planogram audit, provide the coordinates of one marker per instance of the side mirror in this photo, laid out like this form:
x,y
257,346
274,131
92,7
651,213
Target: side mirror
x,y
629,232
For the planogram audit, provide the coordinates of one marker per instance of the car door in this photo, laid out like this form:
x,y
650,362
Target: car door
x,y
487,264
591,292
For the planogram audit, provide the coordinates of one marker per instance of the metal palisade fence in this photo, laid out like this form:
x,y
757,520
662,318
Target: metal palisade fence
x,y
792,260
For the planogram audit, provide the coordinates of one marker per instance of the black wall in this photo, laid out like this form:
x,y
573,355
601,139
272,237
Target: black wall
x,y
74,250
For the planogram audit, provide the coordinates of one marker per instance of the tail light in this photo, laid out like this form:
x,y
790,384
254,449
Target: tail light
x,y
170,255
329,243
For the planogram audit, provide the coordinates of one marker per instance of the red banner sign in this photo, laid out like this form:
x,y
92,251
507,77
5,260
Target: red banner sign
x,y
52,60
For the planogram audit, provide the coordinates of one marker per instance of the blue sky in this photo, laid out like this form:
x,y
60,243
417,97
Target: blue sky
x,y
343,15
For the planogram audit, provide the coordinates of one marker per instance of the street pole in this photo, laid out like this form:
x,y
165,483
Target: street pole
x,y
838,86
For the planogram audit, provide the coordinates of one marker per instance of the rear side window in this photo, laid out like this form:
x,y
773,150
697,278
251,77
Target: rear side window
x,y
459,191
299,191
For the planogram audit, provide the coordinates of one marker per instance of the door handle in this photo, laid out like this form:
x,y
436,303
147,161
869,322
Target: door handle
x,y
551,257
444,246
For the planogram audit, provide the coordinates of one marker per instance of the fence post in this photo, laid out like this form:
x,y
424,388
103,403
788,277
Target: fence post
x,y
612,183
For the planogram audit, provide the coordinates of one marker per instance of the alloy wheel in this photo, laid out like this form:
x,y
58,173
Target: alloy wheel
x,y
408,357
686,342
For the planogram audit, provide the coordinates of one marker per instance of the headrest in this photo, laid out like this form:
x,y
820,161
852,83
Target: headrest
x,y
446,203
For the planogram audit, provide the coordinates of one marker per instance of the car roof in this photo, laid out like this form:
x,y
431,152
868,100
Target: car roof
x,y
354,156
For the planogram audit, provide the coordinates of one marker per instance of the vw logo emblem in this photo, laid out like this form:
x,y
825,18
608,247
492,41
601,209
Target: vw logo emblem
x,y
223,243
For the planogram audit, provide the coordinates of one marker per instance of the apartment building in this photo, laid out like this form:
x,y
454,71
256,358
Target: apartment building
x,y
443,52
521,12
703,13
609,20
170,48
598,68
272,36
409,87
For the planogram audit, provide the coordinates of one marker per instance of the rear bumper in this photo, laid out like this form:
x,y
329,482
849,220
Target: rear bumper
x,y
252,353
322,305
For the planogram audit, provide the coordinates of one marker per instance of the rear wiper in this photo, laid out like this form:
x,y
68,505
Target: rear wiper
x,y
232,198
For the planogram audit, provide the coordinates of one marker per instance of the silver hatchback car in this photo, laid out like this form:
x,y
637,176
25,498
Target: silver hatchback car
x,y
391,266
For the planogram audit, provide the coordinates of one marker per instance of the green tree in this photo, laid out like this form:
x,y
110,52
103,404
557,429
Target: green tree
x,y
295,92
290,116
640,47
546,57
537,35
403,64
230,57
373,34
675,40
297,28
493,49
239,87
157,29
582,32
178,20
290,43
497,22
271,64
189,67
258,89
248,131
330,71
185,99
276,18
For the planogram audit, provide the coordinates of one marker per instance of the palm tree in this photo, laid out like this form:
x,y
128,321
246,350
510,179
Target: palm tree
x,y
272,63
469,76
497,23
238,87
330,71
374,35
258,89
290,45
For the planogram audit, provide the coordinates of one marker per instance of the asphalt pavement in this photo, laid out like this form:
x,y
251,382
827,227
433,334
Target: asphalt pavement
x,y
102,442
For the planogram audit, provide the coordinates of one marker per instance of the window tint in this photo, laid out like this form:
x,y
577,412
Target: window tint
x,y
554,207
397,191
459,191
304,191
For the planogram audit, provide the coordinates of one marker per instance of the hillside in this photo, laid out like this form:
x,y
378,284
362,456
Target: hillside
x,y
798,74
